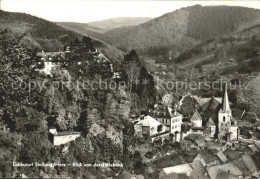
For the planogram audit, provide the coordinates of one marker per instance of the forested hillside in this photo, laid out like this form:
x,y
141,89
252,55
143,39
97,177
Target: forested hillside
x,y
38,33
41,34
239,50
214,21
101,115
180,30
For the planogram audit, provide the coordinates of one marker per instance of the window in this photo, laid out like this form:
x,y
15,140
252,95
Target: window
x,y
224,118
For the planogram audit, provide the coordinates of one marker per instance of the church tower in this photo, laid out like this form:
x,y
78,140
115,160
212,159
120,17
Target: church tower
x,y
224,117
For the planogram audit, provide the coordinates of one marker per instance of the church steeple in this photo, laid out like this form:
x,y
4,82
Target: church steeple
x,y
226,107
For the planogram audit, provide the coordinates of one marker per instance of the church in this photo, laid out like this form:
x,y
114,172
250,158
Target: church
x,y
215,114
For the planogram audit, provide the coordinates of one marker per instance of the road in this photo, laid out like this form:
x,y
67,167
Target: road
x,y
193,62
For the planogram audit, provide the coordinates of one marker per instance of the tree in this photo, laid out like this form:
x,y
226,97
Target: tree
x,y
167,99
189,105
132,67
61,123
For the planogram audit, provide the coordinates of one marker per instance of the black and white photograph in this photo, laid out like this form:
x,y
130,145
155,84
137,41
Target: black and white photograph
x,y
131,89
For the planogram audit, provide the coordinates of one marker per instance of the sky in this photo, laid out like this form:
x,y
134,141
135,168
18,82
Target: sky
x,y
90,10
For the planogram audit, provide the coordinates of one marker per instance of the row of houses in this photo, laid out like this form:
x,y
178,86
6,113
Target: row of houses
x,y
229,164
159,125
213,118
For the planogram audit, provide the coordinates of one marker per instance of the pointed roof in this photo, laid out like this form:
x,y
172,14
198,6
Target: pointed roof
x,y
225,104
211,122
210,110
202,101
196,116
148,121
209,107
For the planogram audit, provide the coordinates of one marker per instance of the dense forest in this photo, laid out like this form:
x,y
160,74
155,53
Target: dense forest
x,y
241,48
101,115
214,21
40,28
180,30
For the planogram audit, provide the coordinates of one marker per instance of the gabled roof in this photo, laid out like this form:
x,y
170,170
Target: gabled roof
x,y
222,156
228,167
174,176
180,169
253,148
224,175
198,167
257,143
211,105
211,122
210,110
202,101
221,174
196,116
148,121
249,163
240,164
208,156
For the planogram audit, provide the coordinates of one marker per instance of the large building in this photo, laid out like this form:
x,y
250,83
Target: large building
x,y
227,127
148,126
170,118
216,115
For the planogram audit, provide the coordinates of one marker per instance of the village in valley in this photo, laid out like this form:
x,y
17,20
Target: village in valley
x,y
128,125
211,144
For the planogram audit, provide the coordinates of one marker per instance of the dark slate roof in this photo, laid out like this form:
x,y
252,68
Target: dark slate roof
x,y
210,110
175,176
222,174
240,164
208,156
